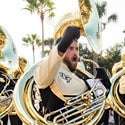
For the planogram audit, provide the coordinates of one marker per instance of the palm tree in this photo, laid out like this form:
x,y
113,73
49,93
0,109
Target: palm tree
x,y
101,8
33,40
42,7
49,43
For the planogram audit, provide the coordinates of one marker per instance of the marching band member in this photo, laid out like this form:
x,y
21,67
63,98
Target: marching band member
x,y
55,74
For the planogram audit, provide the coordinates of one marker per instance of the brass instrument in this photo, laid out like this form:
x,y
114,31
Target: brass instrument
x,y
117,71
22,66
88,107
6,102
87,19
8,60
83,108
8,74
113,97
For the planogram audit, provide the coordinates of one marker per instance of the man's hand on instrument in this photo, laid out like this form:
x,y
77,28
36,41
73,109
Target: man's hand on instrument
x,y
103,75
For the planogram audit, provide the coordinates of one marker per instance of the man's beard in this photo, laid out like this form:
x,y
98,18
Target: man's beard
x,y
69,64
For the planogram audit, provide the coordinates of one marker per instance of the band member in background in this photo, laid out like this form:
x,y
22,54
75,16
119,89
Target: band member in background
x,y
16,74
117,67
8,84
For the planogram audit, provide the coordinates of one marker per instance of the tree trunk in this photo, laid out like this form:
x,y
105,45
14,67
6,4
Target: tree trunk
x,y
95,59
42,22
33,54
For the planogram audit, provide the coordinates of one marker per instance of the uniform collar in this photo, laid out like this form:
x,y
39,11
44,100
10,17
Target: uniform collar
x,y
64,66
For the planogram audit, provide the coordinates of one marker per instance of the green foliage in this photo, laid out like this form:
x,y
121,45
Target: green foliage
x,y
42,8
32,40
101,8
113,18
87,54
106,59
111,56
49,42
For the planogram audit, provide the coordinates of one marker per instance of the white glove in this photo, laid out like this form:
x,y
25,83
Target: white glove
x,y
122,85
99,84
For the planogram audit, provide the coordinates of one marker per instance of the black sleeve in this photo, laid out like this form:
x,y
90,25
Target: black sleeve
x,y
102,74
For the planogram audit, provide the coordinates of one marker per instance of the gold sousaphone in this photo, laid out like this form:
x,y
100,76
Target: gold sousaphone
x,y
91,109
8,60
114,98
87,19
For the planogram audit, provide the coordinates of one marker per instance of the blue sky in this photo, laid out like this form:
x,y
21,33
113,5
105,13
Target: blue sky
x,y
19,22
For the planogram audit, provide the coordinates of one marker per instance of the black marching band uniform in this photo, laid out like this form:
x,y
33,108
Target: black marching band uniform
x,y
14,119
53,76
